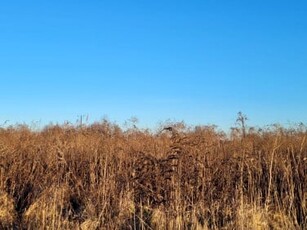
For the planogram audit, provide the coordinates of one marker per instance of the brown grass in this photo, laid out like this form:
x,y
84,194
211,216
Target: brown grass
x,y
101,177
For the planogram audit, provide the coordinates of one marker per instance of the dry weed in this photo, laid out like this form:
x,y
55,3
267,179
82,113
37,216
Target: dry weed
x,y
7,210
101,177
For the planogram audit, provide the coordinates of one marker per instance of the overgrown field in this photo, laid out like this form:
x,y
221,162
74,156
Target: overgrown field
x,y
101,177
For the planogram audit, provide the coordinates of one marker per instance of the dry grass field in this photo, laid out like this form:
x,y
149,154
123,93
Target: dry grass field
x,y
101,177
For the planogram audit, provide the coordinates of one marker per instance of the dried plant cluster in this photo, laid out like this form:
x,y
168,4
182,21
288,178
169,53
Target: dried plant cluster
x,y
101,177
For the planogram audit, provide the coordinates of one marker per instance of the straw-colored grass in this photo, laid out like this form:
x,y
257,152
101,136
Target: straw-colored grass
x,y
7,210
102,177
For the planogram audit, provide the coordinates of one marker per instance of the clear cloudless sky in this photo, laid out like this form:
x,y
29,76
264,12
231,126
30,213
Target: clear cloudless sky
x,y
200,61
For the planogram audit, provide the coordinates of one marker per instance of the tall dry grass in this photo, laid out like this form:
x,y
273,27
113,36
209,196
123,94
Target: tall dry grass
x,y
101,177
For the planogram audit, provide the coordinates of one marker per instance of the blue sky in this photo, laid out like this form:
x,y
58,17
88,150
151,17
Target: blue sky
x,y
197,61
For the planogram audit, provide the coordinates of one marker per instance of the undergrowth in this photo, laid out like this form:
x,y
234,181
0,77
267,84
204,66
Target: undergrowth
x,y
101,177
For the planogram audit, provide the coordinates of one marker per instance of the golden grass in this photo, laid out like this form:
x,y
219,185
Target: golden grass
x,y
101,177
7,210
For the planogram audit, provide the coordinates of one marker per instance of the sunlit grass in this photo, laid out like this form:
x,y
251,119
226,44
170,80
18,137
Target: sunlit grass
x,y
101,177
